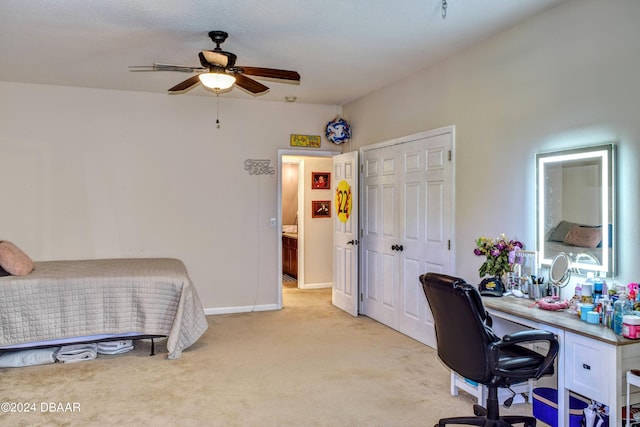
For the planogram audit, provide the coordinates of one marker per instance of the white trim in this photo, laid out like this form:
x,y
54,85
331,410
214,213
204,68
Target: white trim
x,y
240,309
315,285
426,134
301,222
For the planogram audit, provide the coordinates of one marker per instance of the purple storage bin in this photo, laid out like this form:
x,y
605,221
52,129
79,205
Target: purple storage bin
x,y
545,407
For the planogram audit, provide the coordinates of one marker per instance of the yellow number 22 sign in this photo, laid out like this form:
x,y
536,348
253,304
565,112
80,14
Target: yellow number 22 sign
x,y
343,201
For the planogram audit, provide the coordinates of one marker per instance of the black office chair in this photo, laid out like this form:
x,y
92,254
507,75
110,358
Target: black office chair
x,y
469,347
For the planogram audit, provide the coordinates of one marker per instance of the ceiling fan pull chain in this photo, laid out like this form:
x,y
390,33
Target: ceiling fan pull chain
x,y
218,110
444,9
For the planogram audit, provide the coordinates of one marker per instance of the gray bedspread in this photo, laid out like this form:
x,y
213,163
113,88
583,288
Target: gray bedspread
x,y
64,299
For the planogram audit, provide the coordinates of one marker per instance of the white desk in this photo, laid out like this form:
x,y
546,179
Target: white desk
x,y
592,360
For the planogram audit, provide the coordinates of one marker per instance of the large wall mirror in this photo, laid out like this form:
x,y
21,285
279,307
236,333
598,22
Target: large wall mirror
x,y
575,208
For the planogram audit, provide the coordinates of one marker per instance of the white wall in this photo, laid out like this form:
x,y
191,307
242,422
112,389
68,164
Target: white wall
x,y
92,174
568,77
318,232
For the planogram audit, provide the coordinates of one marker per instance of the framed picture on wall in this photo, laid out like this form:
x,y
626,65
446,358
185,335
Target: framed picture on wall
x,y
321,209
320,180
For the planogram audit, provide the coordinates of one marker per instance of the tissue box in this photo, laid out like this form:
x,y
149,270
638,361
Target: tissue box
x,y
545,407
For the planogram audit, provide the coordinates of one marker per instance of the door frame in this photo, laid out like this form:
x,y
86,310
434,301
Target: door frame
x,y
278,225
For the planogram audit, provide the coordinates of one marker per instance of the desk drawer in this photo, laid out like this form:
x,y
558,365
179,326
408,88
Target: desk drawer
x,y
585,361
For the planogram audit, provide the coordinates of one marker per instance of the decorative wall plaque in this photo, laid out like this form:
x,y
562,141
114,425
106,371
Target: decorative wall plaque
x,y
312,141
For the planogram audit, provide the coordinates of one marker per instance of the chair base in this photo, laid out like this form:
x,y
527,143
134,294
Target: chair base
x,y
505,421
483,418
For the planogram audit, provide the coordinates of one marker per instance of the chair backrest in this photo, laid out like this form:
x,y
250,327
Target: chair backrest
x,y
462,333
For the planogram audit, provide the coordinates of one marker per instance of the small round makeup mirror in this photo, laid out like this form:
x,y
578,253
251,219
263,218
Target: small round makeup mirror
x,y
560,270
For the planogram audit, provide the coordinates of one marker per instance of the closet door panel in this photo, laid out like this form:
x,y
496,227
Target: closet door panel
x,y
379,234
412,294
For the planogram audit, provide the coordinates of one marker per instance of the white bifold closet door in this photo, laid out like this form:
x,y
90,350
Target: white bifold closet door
x,y
407,228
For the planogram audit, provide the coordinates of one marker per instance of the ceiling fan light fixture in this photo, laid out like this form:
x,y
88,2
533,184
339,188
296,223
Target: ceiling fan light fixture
x,y
217,81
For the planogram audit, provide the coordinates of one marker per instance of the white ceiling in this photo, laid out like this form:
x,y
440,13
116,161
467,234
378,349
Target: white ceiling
x,y
343,49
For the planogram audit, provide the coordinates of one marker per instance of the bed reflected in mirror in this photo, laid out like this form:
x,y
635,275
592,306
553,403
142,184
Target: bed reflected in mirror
x,y
575,208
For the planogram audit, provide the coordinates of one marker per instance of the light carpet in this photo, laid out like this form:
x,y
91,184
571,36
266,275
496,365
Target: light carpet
x,y
308,364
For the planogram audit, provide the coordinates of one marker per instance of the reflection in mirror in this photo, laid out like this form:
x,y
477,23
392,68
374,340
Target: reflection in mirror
x,y
575,207
584,258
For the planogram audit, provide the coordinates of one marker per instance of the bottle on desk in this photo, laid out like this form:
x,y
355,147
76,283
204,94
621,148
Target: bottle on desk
x,y
588,294
621,308
598,288
607,320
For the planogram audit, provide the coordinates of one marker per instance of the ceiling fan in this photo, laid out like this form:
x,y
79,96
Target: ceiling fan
x,y
219,72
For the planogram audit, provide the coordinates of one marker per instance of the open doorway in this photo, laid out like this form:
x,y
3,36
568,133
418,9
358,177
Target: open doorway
x,y
305,249
290,212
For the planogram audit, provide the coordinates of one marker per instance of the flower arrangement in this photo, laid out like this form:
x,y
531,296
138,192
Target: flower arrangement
x,y
500,253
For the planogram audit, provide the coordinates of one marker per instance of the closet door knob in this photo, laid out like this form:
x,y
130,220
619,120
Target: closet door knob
x,y
400,247
352,242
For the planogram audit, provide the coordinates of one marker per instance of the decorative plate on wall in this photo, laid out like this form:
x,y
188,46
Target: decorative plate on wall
x,y
338,130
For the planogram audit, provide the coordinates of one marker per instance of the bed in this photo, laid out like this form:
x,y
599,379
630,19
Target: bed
x,y
103,299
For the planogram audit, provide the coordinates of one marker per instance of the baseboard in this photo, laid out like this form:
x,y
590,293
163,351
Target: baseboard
x,y
244,309
315,285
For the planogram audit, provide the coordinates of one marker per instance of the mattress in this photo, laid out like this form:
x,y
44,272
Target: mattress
x,y
114,297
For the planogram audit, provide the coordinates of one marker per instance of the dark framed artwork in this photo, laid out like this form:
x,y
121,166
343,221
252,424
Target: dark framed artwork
x,y
321,209
320,180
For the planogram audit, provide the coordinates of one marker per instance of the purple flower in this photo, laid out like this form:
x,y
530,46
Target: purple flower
x,y
500,254
516,244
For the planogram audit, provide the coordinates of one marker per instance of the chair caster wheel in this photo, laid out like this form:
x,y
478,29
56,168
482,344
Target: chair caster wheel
x,y
479,411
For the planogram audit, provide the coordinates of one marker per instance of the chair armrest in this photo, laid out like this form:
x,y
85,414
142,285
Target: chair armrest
x,y
528,335
533,335
488,320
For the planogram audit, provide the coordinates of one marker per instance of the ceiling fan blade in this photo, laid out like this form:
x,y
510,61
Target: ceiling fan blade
x,y
271,73
218,57
251,85
186,85
165,67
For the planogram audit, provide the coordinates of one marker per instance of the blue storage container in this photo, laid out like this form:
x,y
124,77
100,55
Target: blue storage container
x,y
545,407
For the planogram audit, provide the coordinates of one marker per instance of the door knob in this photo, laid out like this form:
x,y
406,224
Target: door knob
x,y
352,242
397,248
